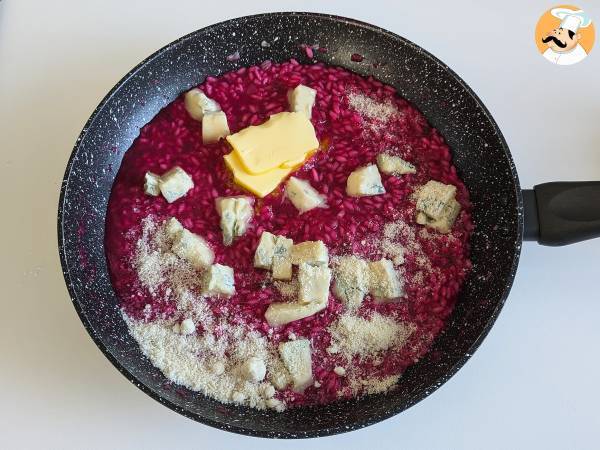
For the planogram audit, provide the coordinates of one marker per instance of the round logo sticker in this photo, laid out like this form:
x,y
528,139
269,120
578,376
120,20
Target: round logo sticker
x,y
565,35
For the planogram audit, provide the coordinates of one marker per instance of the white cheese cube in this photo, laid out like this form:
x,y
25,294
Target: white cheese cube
x,y
303,196
175,183
296,356
351,276
310,252
313,283
173,227
283,313
384,281
235,213
302,99
278,374
282,259
445,223
253,369
151,184
193,248
214,127
219,280
394,165
434,199
263,256
340,371
364,181
187,327
197,104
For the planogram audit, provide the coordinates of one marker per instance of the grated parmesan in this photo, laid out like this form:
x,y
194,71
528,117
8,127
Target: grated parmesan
x,y
352,335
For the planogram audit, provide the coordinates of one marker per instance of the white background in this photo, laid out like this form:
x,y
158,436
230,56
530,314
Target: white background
x,y
532,384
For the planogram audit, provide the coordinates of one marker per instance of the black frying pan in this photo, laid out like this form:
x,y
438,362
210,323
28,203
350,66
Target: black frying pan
x,y
553,214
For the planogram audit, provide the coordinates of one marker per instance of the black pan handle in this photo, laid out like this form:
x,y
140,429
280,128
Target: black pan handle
x,y
562,213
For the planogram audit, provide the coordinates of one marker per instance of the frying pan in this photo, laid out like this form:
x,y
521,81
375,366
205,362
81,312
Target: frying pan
x,y
553,214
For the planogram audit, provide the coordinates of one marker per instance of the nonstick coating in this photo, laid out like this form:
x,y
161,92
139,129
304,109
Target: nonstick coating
x,y
480,155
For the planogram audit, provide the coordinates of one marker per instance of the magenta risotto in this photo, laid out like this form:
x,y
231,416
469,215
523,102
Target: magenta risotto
x,y
287,235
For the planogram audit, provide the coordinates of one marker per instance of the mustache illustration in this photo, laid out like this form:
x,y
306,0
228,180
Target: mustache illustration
x,y
556,41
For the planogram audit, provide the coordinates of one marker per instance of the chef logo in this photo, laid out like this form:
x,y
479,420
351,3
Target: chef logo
x,y
565,35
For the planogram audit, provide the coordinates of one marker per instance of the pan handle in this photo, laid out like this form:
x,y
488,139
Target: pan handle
x,y
562,213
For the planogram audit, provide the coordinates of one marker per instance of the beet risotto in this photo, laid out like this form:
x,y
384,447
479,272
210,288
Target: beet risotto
x,y
287,235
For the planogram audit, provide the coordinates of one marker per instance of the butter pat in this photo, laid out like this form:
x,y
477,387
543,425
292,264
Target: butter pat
x,y
174,184
303,196
260,185
364,181
285,137
296,356
302,99
214,127
313,283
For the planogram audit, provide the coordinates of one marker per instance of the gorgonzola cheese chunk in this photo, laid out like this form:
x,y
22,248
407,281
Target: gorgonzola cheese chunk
x,y
151,184
394,165
365,181
193,248
296,356
437,207
351,280
263,256
303,196
310,252
219,280
313,283
175,183
282,259
197,104
173,227
214,127
443,224
384,281
434,198
302,99
283,313
236,213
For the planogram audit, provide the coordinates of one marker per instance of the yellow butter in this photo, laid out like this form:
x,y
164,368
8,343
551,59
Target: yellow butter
x,y
260,185
283,141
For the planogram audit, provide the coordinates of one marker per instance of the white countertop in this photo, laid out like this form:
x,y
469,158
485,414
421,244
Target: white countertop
x,y
532,384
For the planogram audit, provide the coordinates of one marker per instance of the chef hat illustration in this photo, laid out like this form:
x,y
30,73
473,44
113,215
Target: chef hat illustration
x,y
570,19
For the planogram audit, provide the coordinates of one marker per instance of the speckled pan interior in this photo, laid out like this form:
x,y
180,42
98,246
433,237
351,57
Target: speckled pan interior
x,y
480,154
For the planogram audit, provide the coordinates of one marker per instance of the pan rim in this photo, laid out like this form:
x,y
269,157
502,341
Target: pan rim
x,y
242,429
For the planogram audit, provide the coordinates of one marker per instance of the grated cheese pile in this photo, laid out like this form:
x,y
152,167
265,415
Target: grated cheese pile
x,y
199,361
157,266
372,385
366,337
372,109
